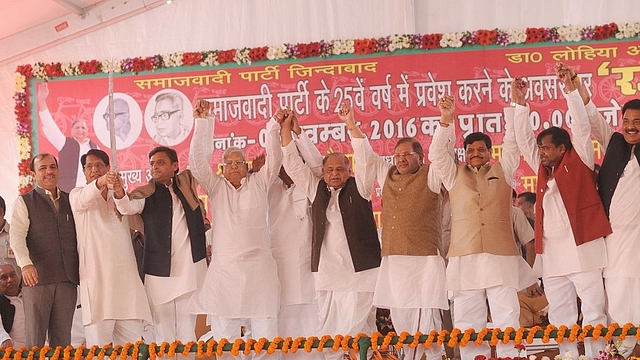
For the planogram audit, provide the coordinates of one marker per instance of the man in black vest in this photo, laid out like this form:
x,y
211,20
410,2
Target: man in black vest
x,y
174,252
46,250
618,188
70,148
11,306
345,250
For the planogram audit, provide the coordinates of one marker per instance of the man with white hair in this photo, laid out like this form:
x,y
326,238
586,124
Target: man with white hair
x,y
242,281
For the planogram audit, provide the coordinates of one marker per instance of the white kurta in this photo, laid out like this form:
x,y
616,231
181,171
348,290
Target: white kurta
x,y
623,247
482,270
560,255
185,276
335,270
423,277
110,286
242,279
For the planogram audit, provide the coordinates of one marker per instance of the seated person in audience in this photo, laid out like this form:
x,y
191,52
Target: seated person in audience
x,y
11,308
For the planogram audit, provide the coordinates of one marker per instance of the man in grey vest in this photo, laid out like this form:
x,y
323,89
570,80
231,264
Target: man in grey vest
x,y
46,250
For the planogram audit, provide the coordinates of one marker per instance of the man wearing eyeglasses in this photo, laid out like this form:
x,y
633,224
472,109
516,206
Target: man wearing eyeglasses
x,y
167,116
345,250
241,282
106,257
484,259
411,232
122,122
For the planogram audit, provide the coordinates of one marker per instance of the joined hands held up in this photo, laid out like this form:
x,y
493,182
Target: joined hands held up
x,y
201,109
447,108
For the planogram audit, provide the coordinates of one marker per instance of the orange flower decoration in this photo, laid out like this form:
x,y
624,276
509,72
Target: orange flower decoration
x,y
416,340
441,337
235,348
219,348
453,338
248,346
481,335
560,334
506,336
466,337
401,339
323,341
44,350
612,327
494,336
625,330
296,344
260,345
337,342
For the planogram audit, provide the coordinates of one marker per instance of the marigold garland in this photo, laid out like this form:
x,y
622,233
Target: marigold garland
x,y
136,349
260,345
235,349
248,346
625,330
612,327
152,351
125,351
356,341
220,346
374,340
199,349
560,334
56,353
387,340
114,353
441,337
532,333
273,346
481,335
416,340
597,331
453,338
547,333
494,336
211,344
433,334
506,336
308,344
172,348
337,342
345,342
43,352
286,345
18,354
296,344
7,353
466,337
323,341
32,353
163,349
403,336
585,332
519,335
187,348
573,335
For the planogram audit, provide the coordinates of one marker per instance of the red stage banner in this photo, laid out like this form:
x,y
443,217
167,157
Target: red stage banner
x,y
394,96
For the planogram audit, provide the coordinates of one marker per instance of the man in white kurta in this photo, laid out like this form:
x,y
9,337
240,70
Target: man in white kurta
x,y
568,271
623,246
242,279
290,229
169,295
344,296
110,314
416,301
477,277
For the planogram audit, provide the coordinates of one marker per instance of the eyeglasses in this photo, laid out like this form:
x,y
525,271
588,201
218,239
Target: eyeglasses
x,y
164,116
236,163
106,116
97,166
403,155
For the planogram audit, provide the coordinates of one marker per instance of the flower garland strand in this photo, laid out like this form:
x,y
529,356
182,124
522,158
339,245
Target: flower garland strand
x,y
322,49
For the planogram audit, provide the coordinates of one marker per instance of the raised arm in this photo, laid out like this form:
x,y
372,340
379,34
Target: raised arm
x,y
301,175
510,152
525,137
439,152
579,124
269,173
201,148
49,126
308,151
368,165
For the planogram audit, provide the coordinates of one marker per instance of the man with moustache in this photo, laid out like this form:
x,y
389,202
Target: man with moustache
x,y
570,219
411,233
345,250
618,188
106,257
46,252
174,261
242,280
484,259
